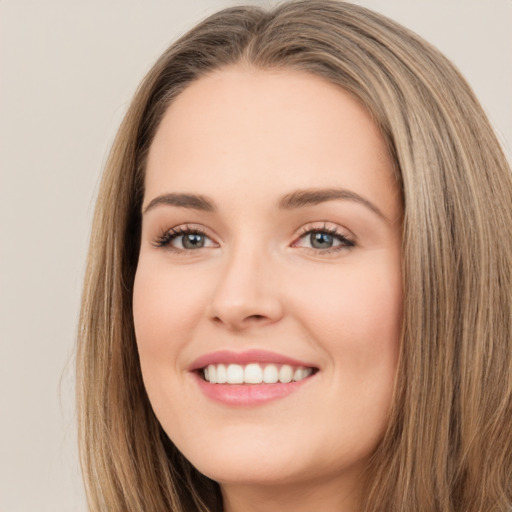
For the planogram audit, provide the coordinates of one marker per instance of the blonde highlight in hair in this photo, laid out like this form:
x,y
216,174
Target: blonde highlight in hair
x,y
448,447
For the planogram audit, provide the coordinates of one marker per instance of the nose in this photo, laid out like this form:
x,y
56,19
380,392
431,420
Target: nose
x,y
246,293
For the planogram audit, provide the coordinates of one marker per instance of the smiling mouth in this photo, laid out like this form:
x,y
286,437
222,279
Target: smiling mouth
x,y
254,373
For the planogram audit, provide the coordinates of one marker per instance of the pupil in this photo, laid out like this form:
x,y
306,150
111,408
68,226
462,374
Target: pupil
x,y
193,241
321,240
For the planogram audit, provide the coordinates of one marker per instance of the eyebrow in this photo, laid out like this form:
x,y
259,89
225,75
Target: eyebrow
x,y
293,200
191,201
308,197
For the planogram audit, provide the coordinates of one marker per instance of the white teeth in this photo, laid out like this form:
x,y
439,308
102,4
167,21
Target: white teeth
x,y
221,374
235,374
285,374
302,373
270,374
254,373
212,372
299,374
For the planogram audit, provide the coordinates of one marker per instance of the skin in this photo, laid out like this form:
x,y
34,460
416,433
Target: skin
x,y
245,138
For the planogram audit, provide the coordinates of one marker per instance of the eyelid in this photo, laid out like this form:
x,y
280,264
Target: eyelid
x,y
326,226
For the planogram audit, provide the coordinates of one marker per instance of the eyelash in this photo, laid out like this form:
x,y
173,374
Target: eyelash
x,y
346,243
166,238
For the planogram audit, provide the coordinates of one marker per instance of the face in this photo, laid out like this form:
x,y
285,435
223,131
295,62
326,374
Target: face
x,y
267,298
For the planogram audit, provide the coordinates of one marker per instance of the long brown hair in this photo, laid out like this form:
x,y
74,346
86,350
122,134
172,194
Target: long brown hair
x,y
448,446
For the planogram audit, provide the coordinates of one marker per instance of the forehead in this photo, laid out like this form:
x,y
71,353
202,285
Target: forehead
x,y
268,131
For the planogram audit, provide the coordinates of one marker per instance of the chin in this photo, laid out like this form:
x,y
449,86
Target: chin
x,y
269,462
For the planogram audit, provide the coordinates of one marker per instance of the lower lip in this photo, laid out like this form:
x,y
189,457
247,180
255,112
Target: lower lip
x,y
248,394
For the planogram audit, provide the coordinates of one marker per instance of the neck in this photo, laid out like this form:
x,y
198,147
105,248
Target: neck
x,y
327,496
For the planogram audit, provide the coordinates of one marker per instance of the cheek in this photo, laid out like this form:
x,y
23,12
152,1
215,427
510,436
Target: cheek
x,y
357,320
360,330
362,303
166,308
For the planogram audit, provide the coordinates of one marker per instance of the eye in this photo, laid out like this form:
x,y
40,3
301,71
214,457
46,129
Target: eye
x,y
185,239
324,239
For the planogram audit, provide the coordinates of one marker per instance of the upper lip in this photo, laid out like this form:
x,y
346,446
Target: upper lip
x,y
246,357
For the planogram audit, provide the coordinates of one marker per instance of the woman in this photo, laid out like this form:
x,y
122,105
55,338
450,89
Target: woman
x,y
298,293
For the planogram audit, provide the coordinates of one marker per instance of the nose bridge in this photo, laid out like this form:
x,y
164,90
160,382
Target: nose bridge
x,y
246,292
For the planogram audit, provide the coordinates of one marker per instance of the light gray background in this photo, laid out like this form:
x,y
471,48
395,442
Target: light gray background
x,y
67,72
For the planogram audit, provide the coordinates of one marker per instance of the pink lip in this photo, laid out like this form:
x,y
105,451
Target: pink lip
x,y
248,394
249,356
